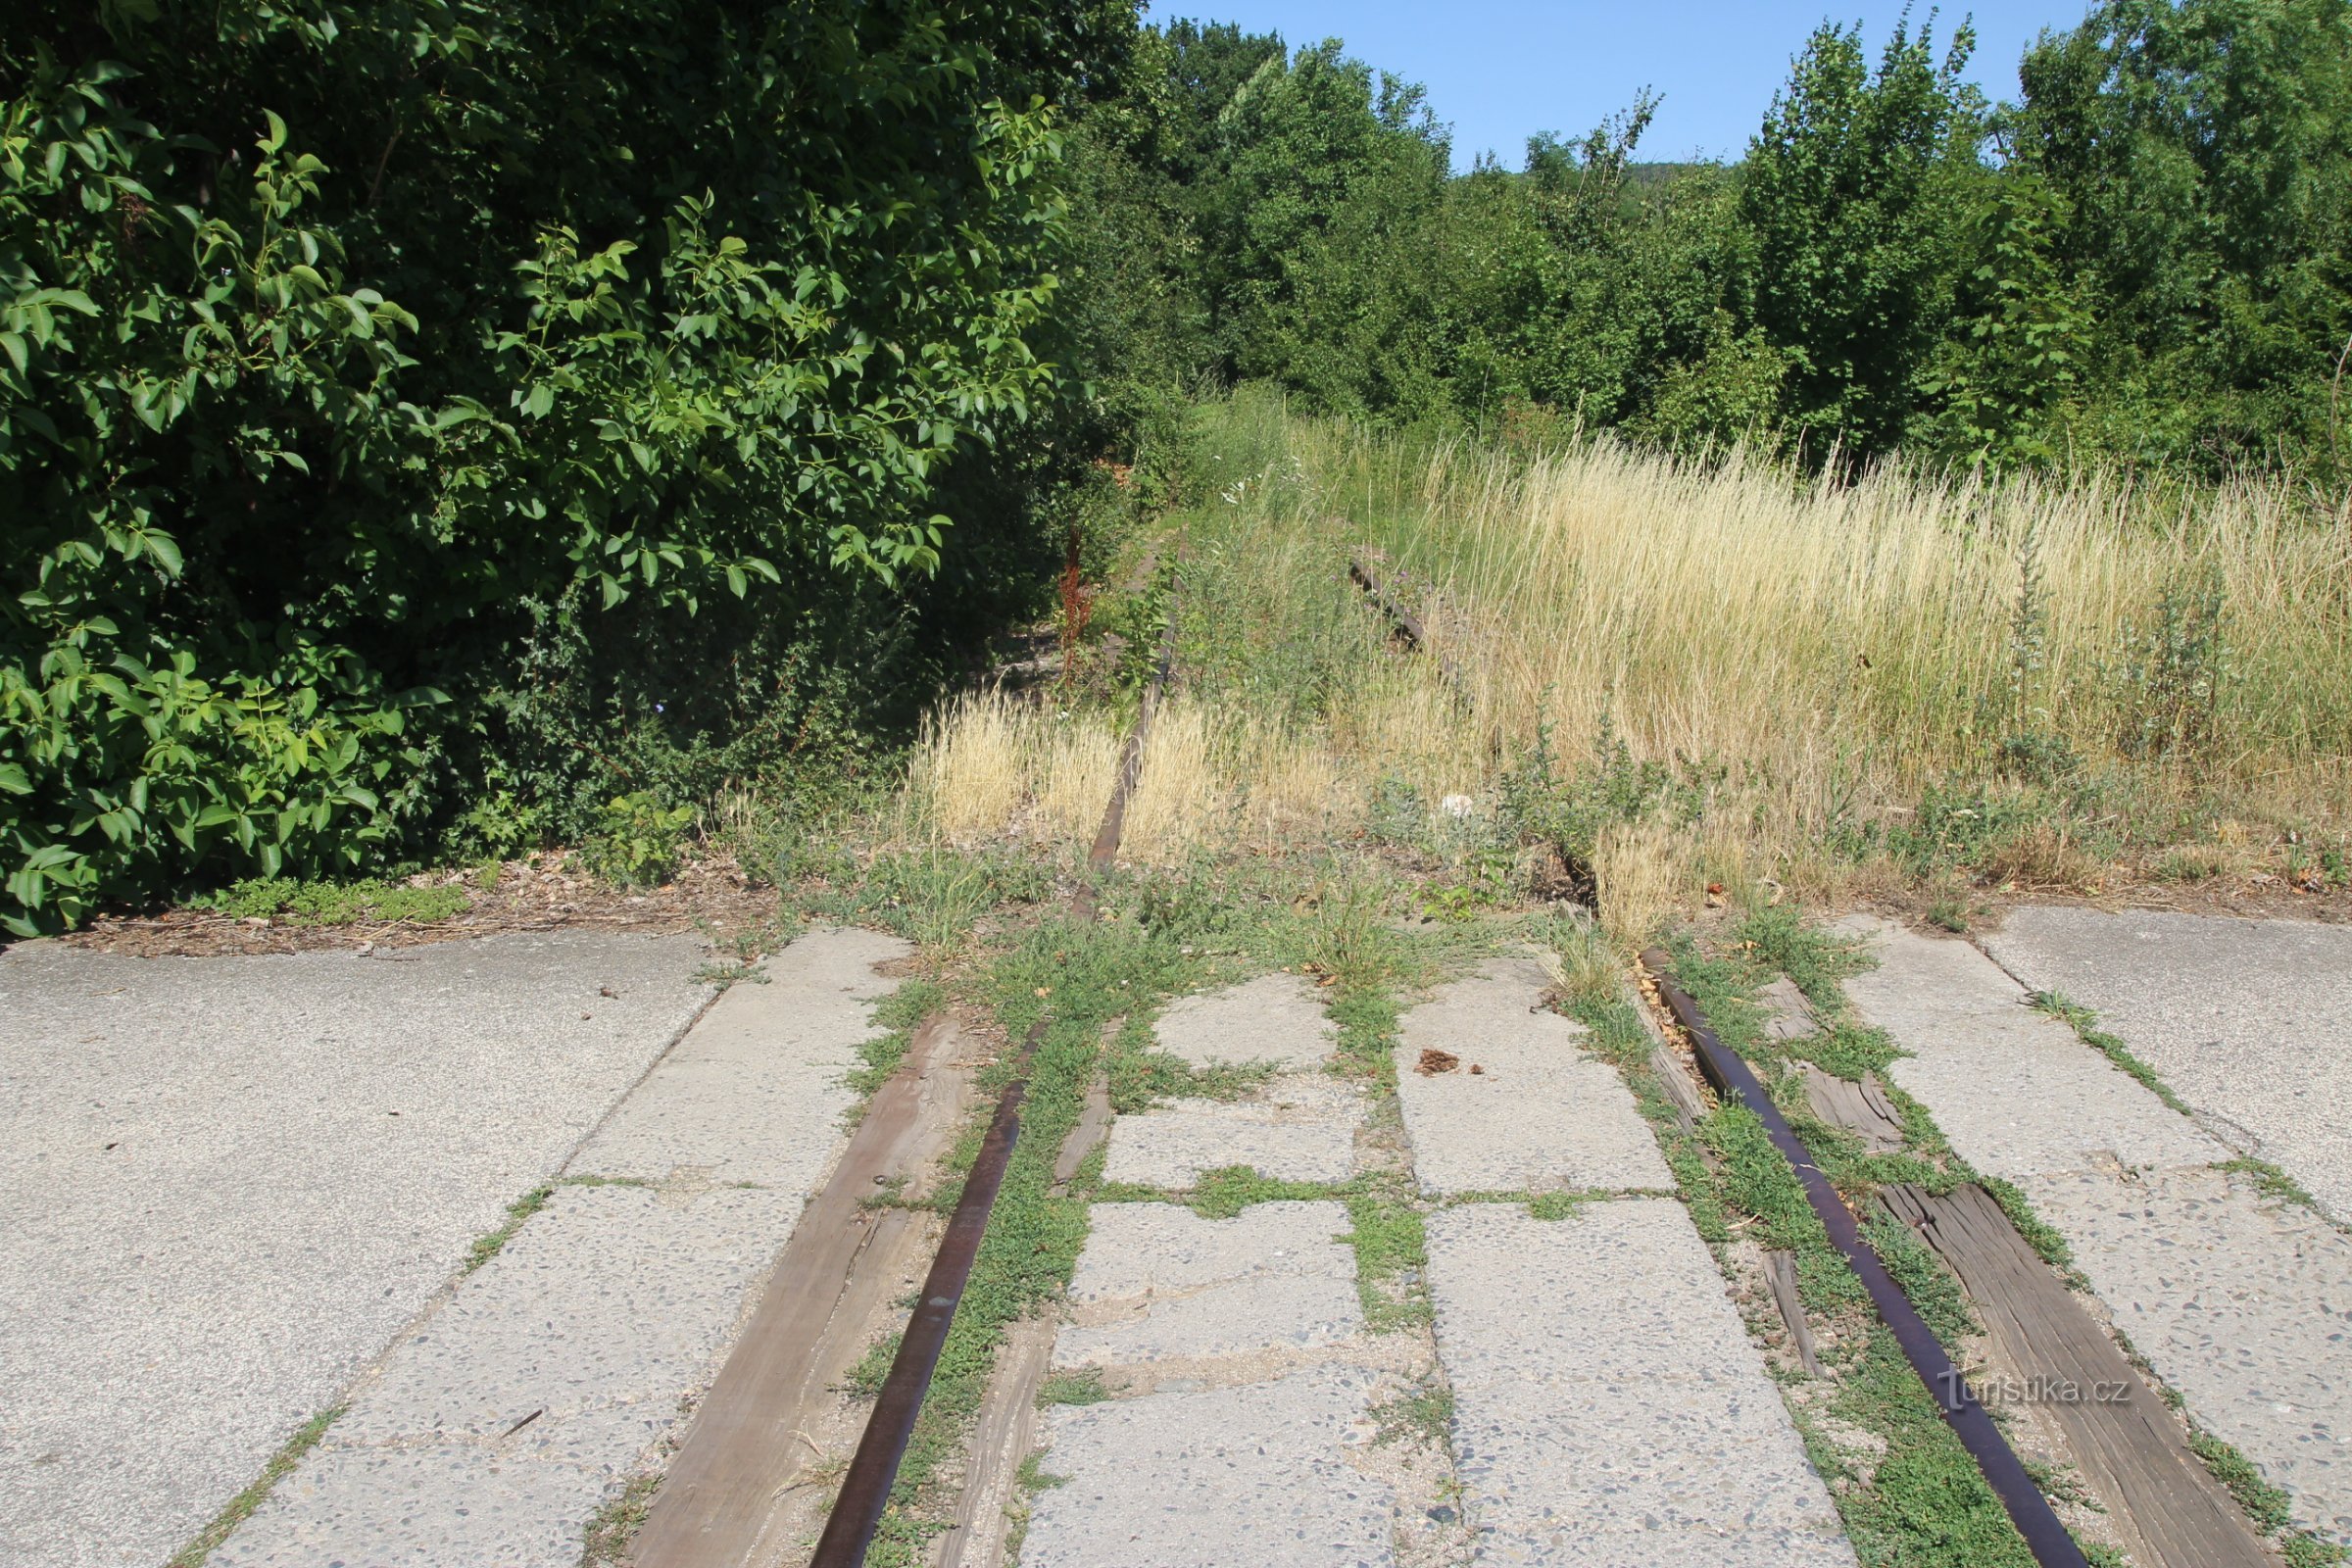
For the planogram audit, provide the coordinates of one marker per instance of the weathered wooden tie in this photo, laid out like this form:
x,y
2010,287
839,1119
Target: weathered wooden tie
x,y
2164,1504
747,1450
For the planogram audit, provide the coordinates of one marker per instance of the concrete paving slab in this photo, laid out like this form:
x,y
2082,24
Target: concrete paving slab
x,y
1596,1424
2248,1022
420,1506
756,1093
2243,1306
495,1429
1571,1547
1299,1128
1136,1251
1254,1474
230,1181
1539,1117
1271,1278
1267,1315
611,1295
566,1356
1275,1017
2016,1091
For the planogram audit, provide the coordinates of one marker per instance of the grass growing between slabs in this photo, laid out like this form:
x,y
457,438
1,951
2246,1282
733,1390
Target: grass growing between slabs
x,y
486,1248
240,1507
2085,1025
1912,1496
2273,1183
1095,983
1724,981
1090,973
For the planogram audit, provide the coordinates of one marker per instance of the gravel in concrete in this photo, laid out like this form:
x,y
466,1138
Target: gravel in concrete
x,y
2244,1306
230,1181
757,1092
1274,1277
1215,1479
1275,1017
1297,1128
1597,1424
2016,1091
566,1357
2248,1022
1539,1117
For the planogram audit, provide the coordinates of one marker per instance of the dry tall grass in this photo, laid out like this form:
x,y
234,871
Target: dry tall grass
x,y
1883,633
993,767
1834,647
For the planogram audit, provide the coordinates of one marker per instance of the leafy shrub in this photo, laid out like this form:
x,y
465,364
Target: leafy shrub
x,y
332,337
1955,825
935,895
637,840
121,763
2175,671
1539,804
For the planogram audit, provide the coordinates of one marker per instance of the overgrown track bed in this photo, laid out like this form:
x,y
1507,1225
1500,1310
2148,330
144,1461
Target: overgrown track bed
x,y
858,1509
1990,1158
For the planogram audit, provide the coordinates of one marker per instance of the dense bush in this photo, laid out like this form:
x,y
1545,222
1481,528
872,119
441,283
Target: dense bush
x,y
348,352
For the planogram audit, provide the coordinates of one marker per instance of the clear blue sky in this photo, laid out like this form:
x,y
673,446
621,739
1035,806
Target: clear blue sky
x,y
1500,71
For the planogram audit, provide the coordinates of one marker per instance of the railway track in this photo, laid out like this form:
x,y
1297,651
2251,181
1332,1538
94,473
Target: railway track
x,y
1567,1361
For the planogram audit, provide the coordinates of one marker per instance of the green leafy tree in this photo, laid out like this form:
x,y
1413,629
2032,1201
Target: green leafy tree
x,y
2203,152
2011,374
1855,192
1326,172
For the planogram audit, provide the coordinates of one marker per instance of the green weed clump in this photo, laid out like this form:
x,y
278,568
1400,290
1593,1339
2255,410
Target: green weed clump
x,y
333,902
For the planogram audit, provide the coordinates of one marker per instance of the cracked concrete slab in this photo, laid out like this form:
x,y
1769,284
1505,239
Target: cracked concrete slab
x,y
2014,1089
566,1356
2248,1022
1275,1017
2242,1304
230,1181
1251,1474
1296,1128
1539,1117
757,1092
497,1425
1135,1252
1274,1277
1597,1424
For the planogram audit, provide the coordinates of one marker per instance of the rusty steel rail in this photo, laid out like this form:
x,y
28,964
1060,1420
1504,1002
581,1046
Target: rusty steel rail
x,y
1732,1079
1407,628
874,1468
